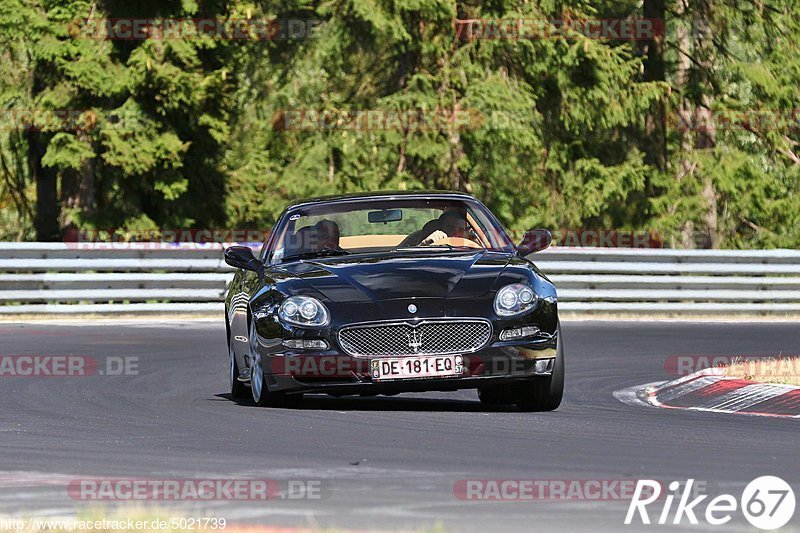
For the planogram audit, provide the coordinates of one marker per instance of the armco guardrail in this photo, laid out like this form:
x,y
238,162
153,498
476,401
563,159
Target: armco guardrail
x,y
674,281
113,278
163,278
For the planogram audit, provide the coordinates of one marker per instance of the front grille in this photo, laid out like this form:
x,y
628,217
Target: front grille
x,y
431,337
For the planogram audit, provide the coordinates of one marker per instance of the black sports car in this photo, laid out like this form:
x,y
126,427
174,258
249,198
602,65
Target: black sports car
x,y
393,292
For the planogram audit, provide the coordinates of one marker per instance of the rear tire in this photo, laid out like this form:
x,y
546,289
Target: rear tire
x,y
544,393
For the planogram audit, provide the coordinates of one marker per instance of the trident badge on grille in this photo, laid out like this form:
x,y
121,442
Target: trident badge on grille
x,y
414,339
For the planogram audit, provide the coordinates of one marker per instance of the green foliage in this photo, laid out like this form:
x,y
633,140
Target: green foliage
x,y
547,131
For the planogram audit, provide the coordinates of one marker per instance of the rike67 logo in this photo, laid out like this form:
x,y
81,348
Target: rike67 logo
x,y
767,503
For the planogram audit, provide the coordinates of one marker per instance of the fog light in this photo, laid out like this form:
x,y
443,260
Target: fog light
x,y
543,365
306,344
518,333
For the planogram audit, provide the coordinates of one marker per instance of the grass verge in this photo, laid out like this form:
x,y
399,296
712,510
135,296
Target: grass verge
x,y
782,370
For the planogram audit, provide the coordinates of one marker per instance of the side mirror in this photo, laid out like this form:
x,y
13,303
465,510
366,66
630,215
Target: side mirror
x,y
535,240
242,257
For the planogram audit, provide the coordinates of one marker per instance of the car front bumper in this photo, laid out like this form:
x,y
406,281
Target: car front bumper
x,y
339,374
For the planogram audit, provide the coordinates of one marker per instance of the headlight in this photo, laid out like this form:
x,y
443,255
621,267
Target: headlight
x,y
304,311
514,299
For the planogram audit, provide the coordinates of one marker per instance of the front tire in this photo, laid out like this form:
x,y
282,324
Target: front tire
x,y
495,395
261,394
238,389
544,393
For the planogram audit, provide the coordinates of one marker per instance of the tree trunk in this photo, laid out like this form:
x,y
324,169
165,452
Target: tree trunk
x,y
77,189
696,52
47,210
685,117
654,143
706,137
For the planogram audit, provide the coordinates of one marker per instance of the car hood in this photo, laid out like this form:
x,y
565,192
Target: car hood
x,y
401,275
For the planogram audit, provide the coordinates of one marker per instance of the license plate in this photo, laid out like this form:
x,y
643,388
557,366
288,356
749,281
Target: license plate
x,y
417,367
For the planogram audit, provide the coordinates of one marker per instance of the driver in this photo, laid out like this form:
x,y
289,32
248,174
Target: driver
x,y
327,235
451,223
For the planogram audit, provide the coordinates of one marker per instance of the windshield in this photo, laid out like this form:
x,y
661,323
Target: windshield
x,y
362,226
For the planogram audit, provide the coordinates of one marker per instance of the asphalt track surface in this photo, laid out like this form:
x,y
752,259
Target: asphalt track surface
x,y
383,463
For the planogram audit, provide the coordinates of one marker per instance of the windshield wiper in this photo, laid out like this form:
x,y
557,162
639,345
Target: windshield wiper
x,y
325,252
